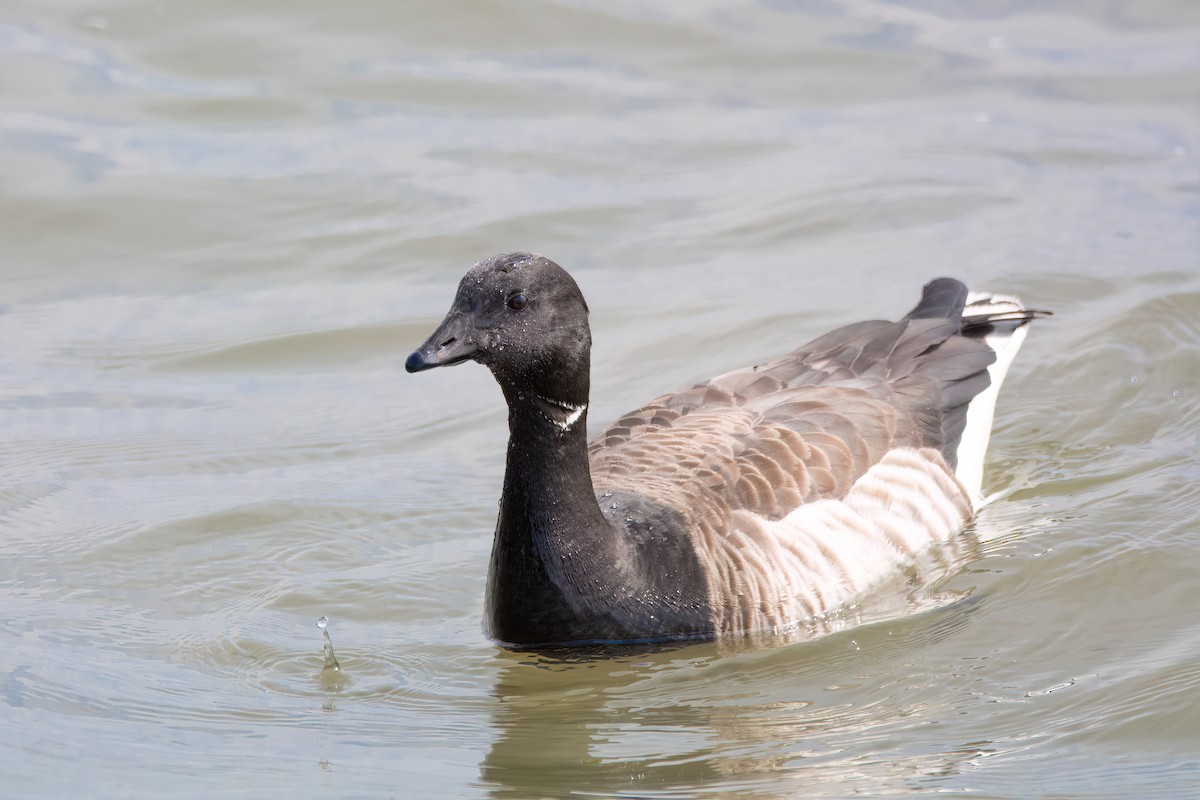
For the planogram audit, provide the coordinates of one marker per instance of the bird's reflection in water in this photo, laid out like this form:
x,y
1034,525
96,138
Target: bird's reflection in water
x,y
828,716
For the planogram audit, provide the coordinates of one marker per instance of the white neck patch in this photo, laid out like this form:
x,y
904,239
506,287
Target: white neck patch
x,y
573,412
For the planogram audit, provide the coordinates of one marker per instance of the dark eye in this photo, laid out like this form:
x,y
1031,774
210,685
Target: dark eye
x,y
518,301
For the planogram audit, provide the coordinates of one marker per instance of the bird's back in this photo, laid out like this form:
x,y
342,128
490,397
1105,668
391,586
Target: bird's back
x,y
803,479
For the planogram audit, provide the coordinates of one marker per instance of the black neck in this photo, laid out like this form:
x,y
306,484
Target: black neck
x,y
552,540
561,572
547,465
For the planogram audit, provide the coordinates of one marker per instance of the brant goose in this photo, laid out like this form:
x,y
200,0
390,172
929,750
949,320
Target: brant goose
x,y
756,502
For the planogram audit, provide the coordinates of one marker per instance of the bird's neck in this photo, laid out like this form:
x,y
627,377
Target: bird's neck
x,y
552,539
547,461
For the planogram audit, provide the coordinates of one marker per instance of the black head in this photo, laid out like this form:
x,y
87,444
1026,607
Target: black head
x,y
523,317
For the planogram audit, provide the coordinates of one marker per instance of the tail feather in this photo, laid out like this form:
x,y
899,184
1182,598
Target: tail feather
x,y
1001,321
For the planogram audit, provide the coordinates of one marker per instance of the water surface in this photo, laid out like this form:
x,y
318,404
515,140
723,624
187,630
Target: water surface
x,y
224,228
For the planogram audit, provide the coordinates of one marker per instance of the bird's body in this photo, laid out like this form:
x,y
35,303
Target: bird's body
x,y
758,501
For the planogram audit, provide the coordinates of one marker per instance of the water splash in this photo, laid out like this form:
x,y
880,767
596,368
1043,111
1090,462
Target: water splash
x,y
331,670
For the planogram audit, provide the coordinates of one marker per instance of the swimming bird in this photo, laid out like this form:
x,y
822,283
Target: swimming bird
x,y
757,501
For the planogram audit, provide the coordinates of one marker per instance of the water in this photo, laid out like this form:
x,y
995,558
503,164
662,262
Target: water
x,y
224,228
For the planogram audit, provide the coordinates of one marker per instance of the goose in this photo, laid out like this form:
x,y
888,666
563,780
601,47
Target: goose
x,y
758,501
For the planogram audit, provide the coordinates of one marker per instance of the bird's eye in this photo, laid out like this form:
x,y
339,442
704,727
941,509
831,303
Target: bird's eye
x,y
518,301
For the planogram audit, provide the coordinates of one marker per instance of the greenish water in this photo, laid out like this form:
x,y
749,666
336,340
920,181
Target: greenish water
x,y
224,227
